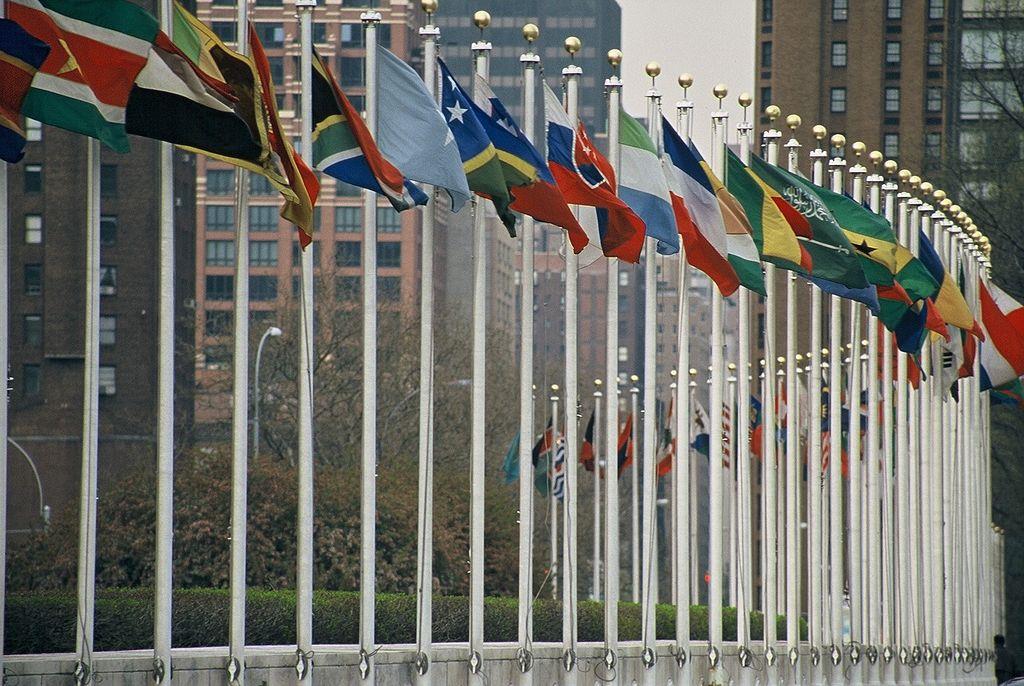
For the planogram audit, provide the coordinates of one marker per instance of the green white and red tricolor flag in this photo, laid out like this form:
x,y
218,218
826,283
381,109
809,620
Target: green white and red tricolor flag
x,y
97,49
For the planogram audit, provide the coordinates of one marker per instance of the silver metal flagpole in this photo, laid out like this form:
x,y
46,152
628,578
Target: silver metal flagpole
x,y
481,54
530,61
913,524
598,449
425,497
368,466
90,422
634,438
304,547
5,289
164,563
613,86
720,123
552,500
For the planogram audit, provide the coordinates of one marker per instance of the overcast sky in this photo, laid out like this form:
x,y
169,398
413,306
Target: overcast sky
x,y
713,40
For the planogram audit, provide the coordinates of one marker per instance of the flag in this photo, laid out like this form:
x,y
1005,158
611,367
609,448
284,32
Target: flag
x,y
774,223
698,216
412,133
869,233
949,301
585,178
1008,394
533,188
97,49
625,445
587,451
479,157
344,149
301,180
726,435
558,470
1002,353
699,423
510,466
832,256
21,54
668,443
756,429
541,459
643,186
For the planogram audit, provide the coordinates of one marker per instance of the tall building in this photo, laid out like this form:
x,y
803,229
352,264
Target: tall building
x,y
878,72
47,214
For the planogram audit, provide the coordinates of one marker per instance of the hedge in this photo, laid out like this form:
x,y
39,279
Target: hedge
x,y
44,622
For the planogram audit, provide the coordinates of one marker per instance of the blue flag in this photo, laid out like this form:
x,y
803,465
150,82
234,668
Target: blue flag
x,y
21,53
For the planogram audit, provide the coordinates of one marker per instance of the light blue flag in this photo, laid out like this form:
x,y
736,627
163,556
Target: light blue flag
x,y
411,131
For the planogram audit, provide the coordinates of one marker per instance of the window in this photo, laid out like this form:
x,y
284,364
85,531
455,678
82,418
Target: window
x,y
33,130
348,219
220,181
347,288
108,380
217,322
319,32
936,9
389,288
933,99
766,10
269,3
271,34
348,253
220,287
260,185
893,9
108,329
623,277
350,71
891,145
263,218
933,144
384,35
33,229
766,54
276,65
837,100
262,288
227,31
32,330
108,229
389,254
220,253
892,99
108,180
388,220
218,356
33,279
839,53
297,253
766,96
623,353
840,10
347,190
220,217
108,279
351,35
892,53
262,253
31,379
935,53
33,178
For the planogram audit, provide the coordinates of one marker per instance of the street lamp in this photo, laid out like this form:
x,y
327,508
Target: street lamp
x,y
275,332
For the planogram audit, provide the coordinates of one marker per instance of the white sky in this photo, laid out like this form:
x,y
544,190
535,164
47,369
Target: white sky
x,y
713,40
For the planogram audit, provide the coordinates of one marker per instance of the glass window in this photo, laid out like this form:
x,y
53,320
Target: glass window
x,y
933,144
347,288
276,65
263,218
262,288
319,32
225,30
766,10
840,10
388,221
32,330
220,253
351,35
766,54
384,35
893,9
218,356
935,53
348,253
936,9
271,34
108,379
108,229
33,130
33,229
33,178
623,277
623,353
350,71
108,329
892,52
297,253
837,100
218,322
260,185
766,96
220,181
108,279
389,288
839,53
389,254
349,219
31,379
892,99
108,179
347,190
33,279
220,287
891,145
933,99
220,217
262,253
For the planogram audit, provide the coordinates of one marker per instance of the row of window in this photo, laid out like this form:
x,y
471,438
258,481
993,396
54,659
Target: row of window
x,y
32,380
221,253
893,53
221,287
933,99
222,182
32,329
33,279
893,10
34,229
264,218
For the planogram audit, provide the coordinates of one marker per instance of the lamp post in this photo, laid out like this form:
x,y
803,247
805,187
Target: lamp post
x,y
275,332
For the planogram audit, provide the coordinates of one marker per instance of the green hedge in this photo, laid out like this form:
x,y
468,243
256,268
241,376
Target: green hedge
x,y
44,622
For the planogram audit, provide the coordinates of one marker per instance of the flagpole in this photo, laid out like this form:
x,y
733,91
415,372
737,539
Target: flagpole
x,y
164,554
570,588
613,86
5,289
552,500
368,508
836,165
720,122
634,494
729,454
913,524
530,61
681,481
595,592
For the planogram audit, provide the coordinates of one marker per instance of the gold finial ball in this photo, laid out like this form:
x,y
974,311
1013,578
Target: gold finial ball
x,y
915,180
876,156
926,187
428,6
969,222
890,167
819,131
793,121
554,387
773,112
482,19
615,57
939,194
962,218
945,203
685,80
954,209
573,45
904,175
745,99
653,69
732,367
838,140
531,32
859,148
720,90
